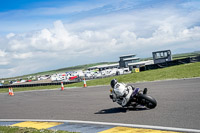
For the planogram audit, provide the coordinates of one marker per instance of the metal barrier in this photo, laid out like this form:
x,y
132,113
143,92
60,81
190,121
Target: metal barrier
x,y
39,84
171,63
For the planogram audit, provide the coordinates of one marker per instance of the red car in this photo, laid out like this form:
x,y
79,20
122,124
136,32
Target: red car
x,y
73,77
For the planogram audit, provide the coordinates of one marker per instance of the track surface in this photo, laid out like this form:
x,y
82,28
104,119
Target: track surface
x,y
178,105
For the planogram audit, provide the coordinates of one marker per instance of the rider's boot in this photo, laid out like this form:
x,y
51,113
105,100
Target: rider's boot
x,y
145,91
111,96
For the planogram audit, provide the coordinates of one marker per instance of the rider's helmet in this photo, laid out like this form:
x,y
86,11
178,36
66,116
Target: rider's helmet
x,y
113,82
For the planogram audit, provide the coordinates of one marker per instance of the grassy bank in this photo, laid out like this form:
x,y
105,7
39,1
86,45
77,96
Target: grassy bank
x,y
8,129
30,88
175,72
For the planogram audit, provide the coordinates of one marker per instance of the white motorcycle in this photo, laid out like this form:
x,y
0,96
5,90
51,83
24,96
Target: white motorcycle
x,y
136,98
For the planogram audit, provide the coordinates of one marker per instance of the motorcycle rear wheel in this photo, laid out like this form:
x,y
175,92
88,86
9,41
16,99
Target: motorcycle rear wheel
x,y
147,101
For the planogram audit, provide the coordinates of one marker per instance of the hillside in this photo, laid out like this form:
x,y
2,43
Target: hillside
x,y
61,70
85,66
190,70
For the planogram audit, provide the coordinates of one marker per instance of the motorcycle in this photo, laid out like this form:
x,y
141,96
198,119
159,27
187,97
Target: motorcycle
x,y
139,98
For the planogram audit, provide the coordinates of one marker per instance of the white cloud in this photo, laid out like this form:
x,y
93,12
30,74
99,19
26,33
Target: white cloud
x,y
10,35
2,53
22,55
191,5
4,63
100,38
3,60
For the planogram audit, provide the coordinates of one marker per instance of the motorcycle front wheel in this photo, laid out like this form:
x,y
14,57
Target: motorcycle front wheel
x,y
147,101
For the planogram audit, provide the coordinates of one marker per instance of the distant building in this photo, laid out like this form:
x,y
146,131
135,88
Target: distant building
x,y
162,56
125,60
104,67
139,64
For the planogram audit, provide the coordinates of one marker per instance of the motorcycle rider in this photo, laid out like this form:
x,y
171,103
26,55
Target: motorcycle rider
x,y
121,93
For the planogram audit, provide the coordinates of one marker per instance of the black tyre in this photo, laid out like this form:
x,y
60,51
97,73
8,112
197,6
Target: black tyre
x,y
147,101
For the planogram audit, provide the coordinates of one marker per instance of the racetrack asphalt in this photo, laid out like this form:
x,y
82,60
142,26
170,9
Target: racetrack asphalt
x,y
178,105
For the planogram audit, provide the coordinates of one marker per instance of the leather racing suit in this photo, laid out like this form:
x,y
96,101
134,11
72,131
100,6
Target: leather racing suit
x,y
121,93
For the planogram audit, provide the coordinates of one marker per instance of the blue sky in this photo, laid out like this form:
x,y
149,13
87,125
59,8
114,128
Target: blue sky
x,y
44,35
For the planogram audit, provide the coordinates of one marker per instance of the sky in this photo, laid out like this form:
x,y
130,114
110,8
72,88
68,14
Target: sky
x,y
42,35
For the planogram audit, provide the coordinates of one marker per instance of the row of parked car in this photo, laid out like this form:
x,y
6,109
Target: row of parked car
x,y
74,75
92,74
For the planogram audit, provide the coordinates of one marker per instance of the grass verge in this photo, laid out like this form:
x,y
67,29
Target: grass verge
x,y
8,129
175,72
3,90
190,70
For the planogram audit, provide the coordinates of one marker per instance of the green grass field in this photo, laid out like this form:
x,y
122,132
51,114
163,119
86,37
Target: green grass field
x,y
190,70
175,72
8,129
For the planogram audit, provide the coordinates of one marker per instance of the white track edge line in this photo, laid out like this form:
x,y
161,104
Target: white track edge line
x,y
110,124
